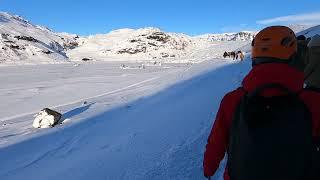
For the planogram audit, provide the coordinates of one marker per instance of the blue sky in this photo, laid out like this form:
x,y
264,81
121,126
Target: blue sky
x,y
187,16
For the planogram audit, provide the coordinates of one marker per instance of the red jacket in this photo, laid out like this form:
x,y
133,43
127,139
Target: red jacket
x,y
259,75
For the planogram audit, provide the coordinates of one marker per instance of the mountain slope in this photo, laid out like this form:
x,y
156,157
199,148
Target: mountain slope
x,y
310,31
153,44
21,41
240,36
146,43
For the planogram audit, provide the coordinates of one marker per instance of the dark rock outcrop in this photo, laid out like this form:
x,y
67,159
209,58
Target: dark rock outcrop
x,y
13,46
132,51
159,36
86,59
26,38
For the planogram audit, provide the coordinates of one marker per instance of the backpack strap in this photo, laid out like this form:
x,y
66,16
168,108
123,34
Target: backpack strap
x,y
260,89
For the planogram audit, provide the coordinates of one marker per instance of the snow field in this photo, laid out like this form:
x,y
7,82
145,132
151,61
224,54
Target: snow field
x,y
158,135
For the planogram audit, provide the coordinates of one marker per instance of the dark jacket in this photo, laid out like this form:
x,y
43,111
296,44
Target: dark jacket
x,y
312,70
300,60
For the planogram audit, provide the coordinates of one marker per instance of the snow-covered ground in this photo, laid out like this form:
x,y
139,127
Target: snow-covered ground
x,y
28,89
147,123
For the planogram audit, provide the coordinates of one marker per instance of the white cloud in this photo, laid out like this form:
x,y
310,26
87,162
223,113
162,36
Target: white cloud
x,y
237,28
309,18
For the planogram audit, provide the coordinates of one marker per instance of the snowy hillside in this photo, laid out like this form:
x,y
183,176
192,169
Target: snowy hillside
x,y
240,36
310,31
297,28
153,44
146,44
23,42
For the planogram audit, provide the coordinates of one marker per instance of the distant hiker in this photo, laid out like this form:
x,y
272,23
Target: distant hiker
x,y
225,54
312,70
233,55
300,61
269,127
240,55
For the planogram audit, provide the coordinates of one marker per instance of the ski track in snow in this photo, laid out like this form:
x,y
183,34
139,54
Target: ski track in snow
x,y
151,136
82,100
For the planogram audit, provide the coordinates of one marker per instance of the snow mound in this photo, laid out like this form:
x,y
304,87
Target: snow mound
x,y
43,120
46,118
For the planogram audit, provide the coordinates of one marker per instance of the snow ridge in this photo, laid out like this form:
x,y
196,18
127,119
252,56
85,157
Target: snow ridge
x,y
240,36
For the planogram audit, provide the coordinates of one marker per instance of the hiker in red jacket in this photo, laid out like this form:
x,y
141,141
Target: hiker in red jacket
x,y
272,50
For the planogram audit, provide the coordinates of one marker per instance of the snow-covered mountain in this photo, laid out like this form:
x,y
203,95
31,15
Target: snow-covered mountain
x,y
22,41
299,27
145,43
155,44
310,31
239,36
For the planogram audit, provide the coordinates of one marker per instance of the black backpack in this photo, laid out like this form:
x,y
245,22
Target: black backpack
x,y
271,137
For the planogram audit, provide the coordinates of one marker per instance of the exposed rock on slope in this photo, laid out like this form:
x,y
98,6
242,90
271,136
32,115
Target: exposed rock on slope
x,y
146,43
240,36
23,42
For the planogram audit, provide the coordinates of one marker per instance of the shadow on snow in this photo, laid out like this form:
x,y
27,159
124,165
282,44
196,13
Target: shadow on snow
x,y
162,136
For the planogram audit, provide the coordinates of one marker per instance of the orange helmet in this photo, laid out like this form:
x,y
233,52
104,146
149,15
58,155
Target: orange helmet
x,y
278,42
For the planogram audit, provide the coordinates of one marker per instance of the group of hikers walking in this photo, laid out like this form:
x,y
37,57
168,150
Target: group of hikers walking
x,y
270,126
234,55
